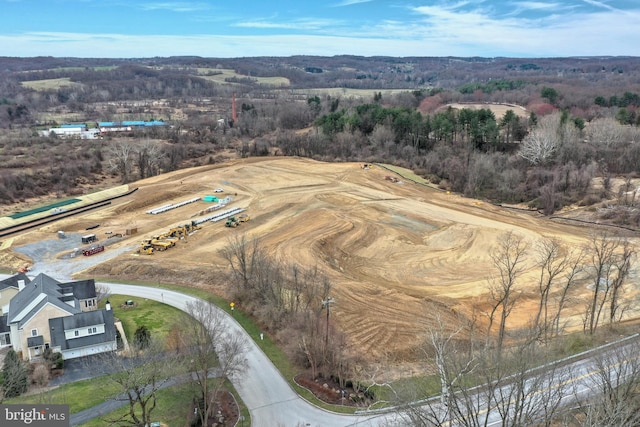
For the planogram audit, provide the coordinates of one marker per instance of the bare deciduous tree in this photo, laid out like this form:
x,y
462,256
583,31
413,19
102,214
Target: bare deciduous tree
x,y
558,270
605,132
508,259
242,257
570,277
139,379
613,398
148,158
541,144
480,385
608,269
121,159
213,355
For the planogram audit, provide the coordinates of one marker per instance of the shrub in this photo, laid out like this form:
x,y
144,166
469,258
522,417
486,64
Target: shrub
x,y
41,375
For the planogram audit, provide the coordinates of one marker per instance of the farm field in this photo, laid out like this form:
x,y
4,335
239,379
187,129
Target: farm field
x,y
498,109
392,250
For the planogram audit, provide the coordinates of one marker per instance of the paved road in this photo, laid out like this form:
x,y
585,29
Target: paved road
x,y
273,403
270,399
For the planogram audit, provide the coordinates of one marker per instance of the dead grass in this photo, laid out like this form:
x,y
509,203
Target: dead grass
x,y
47,84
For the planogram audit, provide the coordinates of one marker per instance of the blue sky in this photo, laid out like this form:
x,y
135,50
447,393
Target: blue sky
x,y
147,28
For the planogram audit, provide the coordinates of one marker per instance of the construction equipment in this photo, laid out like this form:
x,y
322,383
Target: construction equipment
x,y
244,218
162,244
179,232
168,239
232,222
92,250
145,248
192,227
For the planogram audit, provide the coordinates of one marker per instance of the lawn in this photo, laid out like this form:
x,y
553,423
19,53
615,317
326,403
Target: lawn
x,y
157,317
79,395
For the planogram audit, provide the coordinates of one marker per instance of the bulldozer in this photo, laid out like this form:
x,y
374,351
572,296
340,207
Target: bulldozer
x,y
232,222
146,248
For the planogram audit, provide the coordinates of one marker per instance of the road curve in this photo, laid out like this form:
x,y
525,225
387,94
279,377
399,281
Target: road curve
x,y
270,399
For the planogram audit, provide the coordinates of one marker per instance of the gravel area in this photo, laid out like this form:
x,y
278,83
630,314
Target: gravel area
x,y
61,258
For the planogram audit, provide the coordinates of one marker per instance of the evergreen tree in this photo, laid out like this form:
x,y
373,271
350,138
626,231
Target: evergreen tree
x,y
15,375
142,337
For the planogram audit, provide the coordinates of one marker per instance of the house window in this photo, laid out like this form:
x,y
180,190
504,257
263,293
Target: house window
x,y
46,346
34,332
76,333
92,330
5,339
36,351
89,303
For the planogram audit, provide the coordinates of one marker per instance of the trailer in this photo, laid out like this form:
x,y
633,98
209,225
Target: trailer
x,y
89,238
92,250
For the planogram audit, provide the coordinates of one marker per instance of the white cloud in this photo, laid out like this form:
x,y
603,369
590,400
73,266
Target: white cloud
x,y
437,31
599,4
309,24
538,5
350,2
174,6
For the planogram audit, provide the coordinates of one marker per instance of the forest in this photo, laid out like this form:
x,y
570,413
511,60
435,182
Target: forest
x,y
569,121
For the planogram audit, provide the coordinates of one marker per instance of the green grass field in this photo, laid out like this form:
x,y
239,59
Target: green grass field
x,y
405,173
47,84
219,75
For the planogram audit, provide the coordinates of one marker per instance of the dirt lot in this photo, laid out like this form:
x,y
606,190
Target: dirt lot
x,y
498,109
389,248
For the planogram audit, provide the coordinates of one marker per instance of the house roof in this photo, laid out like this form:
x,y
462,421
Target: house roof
x,y
35,341
58,326
44,290
82,320
82,289
12,282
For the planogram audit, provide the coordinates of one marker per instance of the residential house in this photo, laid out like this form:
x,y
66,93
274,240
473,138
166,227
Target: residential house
x,y
61,316
9,287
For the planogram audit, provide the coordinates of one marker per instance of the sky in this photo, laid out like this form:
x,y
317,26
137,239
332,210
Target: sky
x,y
249,28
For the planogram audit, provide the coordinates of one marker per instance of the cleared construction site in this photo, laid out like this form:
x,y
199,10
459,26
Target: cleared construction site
x,y
391,248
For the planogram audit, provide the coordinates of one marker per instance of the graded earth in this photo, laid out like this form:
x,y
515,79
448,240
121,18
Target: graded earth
x,y
391,249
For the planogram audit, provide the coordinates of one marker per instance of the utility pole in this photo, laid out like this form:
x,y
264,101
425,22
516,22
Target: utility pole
x,y
327,304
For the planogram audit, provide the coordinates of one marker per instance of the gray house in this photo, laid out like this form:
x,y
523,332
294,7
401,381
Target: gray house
x,y
9,287
61,316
